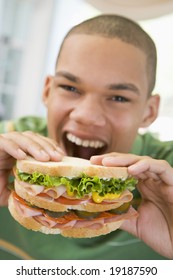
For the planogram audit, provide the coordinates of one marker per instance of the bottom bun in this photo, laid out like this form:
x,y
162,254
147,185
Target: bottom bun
x,y
31,223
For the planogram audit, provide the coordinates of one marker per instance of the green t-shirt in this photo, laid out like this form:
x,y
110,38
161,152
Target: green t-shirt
x,y
16,242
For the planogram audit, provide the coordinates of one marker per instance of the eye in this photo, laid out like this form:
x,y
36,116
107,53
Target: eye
x,y
118,98
69,88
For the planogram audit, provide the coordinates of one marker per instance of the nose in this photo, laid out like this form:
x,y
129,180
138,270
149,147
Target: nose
x,y
88,112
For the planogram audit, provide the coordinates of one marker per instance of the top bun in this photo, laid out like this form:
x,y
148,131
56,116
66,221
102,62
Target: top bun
x,y
70,167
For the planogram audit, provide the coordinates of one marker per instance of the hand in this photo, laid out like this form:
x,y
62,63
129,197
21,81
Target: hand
x,y
154,225
17,145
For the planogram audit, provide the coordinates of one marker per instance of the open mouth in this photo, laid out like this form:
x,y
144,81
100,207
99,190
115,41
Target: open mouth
x,y
83,148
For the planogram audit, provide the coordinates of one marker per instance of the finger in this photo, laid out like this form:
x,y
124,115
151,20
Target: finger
x,y
32,144
54,144
140,165
160,168
117,159
96,160
99,158
49,145
9,147
19,148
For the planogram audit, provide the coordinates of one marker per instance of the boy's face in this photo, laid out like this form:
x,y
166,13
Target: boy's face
x,y
99,96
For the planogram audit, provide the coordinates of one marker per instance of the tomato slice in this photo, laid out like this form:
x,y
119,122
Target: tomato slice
x,y
24,202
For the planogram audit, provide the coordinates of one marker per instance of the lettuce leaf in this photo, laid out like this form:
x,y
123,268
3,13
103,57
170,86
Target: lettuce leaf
x,y
81,186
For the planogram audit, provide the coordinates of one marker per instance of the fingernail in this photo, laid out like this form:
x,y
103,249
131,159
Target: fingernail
x,y
59,150
109,161
21,153
57,155
43,153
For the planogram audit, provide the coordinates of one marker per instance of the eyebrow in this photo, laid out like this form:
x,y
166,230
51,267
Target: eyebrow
x,y
124,86
68,76
118,86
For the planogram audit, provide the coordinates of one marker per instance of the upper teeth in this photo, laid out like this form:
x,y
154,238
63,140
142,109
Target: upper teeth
x,y
85,143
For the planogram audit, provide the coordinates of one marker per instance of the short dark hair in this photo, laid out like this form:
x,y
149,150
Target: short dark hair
x,y
125,29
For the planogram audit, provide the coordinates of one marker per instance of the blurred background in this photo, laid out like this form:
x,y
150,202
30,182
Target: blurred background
x,y
31,32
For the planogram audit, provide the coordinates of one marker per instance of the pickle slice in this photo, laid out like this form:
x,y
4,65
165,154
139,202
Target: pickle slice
x,y
53,214
86,215
122,209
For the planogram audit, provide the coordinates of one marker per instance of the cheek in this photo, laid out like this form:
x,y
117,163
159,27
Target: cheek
x,y
55,107
126,122
55,116
125,131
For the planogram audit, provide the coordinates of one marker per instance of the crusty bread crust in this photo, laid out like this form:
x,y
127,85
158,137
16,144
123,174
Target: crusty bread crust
x,y
32,224
52,205
71,167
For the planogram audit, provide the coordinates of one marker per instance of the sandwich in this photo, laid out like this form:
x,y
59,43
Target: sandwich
x,y
72,197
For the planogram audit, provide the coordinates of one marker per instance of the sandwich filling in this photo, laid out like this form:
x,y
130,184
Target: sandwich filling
x,y
98,189
72,219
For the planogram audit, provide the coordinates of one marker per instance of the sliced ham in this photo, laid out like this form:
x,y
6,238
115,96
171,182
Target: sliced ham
x,y
59,194
45,221
32,189
70,219
55,192
24,209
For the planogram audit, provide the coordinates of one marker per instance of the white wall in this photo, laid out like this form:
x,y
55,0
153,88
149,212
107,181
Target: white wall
x,y
66,14
50,21
26,100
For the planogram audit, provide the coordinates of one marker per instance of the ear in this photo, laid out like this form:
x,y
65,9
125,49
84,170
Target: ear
x,y
151,110
47,89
